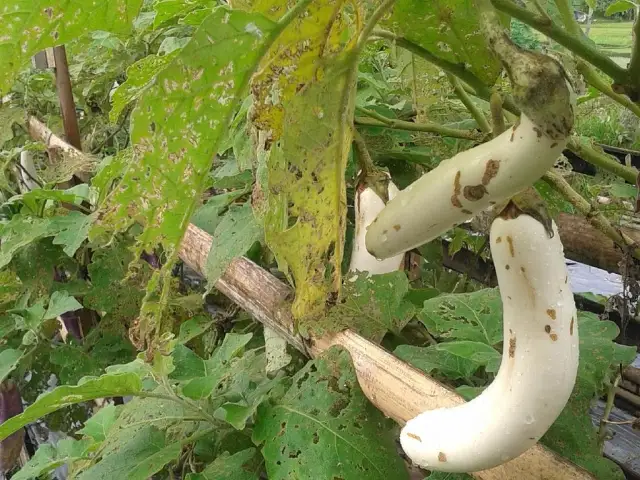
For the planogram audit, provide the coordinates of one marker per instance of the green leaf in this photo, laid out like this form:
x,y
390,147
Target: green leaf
x,y
449,30
170,9
74,364
616,7
234,235
9,359
19,232
372,305
324,427
473,316
244,465
141,456
453,360
98,426
9,115
91,388
71,230
59,303
591,4
623,190
193,328
28,26
207,217
49,457
178,123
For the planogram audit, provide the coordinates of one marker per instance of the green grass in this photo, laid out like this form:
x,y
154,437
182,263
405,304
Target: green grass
x,y
612,36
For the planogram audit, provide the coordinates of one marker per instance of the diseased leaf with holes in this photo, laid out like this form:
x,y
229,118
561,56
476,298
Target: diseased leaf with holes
x,y
98,426
371,305
9,359
140,77
49,457
573,435
302,185
110,293
324,427
449,30
28,26
140,456
178,122
454,360
109,385
233,236
475,316
244,465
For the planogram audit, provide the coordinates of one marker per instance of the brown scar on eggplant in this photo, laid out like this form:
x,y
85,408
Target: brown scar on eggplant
x,y
547,328
552,313
490,171
512,250
455,201
538,131
522,269
571,326
414,436
474,193
396,227
507,267
512,347
442,457
554,145
499,239
466,212
553,337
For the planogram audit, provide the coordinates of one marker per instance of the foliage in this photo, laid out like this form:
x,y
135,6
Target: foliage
x,y
238,119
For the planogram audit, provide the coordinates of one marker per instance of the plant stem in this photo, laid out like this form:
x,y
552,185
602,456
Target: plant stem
x,y
634,63
597,82
496,114
574,43
611,395
378,120
477,114
565,8
372,22
456,69
595,217
602,160
362,154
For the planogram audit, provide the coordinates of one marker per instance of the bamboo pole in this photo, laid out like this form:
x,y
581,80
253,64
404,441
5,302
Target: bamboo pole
x,y
396,388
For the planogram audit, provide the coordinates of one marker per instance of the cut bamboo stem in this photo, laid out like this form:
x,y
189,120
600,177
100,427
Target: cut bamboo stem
x,y
396,388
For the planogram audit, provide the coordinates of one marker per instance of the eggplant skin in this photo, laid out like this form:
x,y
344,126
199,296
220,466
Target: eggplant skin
x,y
10,406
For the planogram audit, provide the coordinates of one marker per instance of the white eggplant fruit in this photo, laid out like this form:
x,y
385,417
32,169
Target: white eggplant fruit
x,y
462,186
539,360
28,174
368,205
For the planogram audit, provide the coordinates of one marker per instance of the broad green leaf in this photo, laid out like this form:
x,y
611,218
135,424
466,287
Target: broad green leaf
x,y
617,7
49,457
71,230
468,392
141,456
178,122
324,427
38,196
473,316
74,364
140,77
233,236
9,359
207,217
623,190
97,427
453,360
28,26
170,9
193,327
244,465
9,115
91,388
449,30
371,305
19,232
59,303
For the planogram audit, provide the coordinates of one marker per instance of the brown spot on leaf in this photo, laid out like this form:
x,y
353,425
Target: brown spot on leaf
x,y
490,171
442,457
466,212
553,337
474,193
547,328
512,347
396,227
414,436
552,313
571,326
512,250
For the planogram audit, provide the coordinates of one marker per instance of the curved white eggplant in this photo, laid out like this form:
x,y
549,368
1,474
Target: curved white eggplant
x,y
368,205
539,361
27,172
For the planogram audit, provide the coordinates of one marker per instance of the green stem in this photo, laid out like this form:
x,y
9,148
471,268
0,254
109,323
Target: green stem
x,y
362,155
476,113
595,217
456,69
602,160
634,63
611,395
372,22
576,44
597,82
378,120
565,8
497,116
